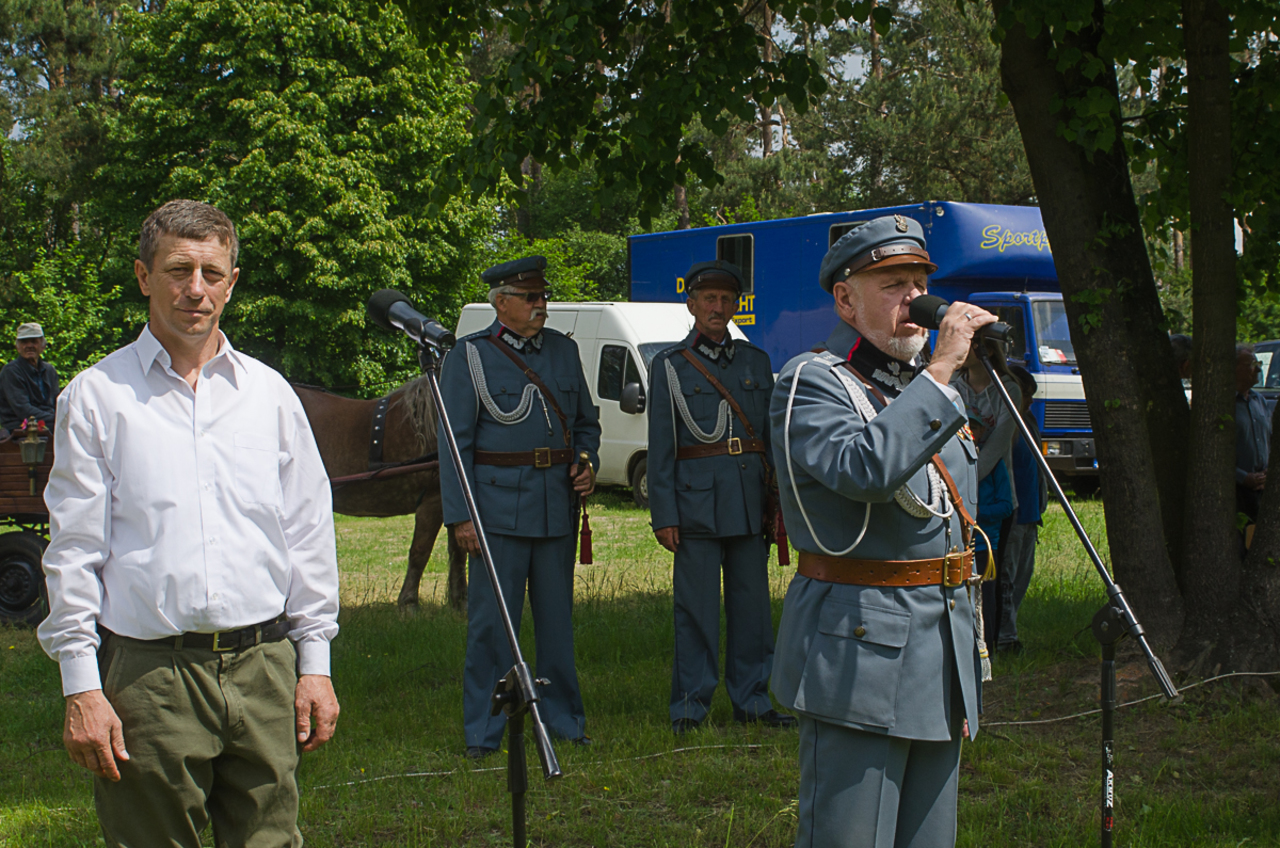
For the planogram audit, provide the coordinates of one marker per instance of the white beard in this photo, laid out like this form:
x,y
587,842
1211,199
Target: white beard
x,y
904,349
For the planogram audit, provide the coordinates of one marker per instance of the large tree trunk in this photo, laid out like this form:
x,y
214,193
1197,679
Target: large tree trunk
x,y
1211,573
1136,404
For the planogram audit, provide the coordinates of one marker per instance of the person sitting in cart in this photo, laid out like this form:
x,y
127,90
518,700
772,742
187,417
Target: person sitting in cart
x,y
28,384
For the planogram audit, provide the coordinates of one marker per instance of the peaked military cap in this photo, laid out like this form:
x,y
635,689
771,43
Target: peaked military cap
x,y
880,242
717,274
527,273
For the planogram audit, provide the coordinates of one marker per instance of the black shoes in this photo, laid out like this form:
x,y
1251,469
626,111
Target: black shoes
x,y
772,718
479,752
681,726
583,741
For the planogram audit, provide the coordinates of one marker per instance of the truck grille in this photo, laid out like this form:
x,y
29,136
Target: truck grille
x,y
1066,415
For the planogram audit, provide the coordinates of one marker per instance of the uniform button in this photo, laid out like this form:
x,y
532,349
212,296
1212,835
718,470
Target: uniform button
x,y
935,424
744,465
748,382
697,389
860,631
953,603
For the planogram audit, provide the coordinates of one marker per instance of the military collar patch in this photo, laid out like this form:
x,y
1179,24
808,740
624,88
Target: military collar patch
x,y
531,344
891,375
713,351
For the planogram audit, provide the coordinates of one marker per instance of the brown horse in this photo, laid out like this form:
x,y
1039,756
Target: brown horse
x,y
344,428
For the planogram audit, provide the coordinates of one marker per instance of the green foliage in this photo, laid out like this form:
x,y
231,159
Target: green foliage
x,y
318,126
62,293
581,265
929,123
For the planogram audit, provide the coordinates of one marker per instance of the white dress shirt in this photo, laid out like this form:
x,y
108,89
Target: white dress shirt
x,y
173,510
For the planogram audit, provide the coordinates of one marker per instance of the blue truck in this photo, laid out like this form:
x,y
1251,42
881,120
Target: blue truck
x,y
995,256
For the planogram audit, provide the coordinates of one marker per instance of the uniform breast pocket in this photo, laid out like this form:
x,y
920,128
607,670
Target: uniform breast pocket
x,y
257,459
703,402
755,397
853,667
567,394
970,450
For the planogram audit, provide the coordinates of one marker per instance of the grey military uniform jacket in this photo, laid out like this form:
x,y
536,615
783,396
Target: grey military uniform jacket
x,y
515,500
712,496
883,660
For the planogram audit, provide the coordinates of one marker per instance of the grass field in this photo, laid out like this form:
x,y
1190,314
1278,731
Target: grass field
x,y
1205,772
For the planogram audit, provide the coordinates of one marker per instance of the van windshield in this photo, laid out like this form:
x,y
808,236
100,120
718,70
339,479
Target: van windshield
x,y
1052,336
649,350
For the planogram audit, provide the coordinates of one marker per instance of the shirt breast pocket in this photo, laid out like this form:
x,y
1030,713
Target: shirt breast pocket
x,y
257,469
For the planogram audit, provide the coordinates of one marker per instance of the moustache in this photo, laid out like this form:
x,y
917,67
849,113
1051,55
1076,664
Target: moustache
x,y
538,312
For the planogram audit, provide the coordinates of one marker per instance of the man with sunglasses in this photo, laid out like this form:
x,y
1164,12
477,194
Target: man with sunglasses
x,y
522,415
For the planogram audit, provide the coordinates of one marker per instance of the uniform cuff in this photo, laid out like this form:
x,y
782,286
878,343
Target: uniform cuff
x,y
80,674
313,657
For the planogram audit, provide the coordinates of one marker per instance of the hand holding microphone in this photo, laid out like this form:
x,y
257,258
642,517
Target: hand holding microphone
x,y
957,325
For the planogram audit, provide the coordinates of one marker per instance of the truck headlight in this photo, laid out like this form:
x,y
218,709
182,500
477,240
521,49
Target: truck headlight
x,y
1056,448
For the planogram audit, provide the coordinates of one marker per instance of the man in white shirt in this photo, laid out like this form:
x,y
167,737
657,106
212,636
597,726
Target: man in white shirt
x,y
191,566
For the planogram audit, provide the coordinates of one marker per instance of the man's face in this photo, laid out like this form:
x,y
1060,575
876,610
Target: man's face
x,y
189,283
1247,370
518,313
31,349
877,304
712,310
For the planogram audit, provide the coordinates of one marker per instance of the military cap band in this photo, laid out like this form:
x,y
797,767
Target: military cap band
x,y
526,273
880,254
719,273
525,279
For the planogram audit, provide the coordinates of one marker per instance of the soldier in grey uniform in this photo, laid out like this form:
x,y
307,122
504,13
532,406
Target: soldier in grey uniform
x,y
876,647
522,414
708,477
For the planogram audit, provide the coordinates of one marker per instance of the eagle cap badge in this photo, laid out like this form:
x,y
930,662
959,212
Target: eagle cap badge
x,y
901,223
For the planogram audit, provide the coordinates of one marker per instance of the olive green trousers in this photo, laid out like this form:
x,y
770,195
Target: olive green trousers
x,y
211,738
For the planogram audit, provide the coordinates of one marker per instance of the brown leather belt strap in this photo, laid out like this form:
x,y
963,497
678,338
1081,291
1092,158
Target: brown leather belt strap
x,y
732,447
950,571
538,458
533,377
724,393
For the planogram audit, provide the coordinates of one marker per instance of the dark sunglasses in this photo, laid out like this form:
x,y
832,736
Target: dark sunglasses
x,y
534,297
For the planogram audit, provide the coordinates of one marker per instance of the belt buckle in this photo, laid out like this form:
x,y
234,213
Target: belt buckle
x,y
735,446
221,648
542,457
953,558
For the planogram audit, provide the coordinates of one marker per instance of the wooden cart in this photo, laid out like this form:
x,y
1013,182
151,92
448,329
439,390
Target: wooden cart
x,y
23,599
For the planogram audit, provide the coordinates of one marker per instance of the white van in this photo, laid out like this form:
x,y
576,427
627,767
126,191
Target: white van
x,y
617,342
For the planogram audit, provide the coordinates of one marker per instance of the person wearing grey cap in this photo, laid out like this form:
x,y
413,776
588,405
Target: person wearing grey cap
x,y
876,648
28,384
708,477
522,415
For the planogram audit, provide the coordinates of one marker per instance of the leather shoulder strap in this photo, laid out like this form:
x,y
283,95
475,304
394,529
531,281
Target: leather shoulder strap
x,y
532,377
724,393
966,520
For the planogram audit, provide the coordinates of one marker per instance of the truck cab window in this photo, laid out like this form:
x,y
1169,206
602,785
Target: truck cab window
x,y
740,250
617,368
1050,318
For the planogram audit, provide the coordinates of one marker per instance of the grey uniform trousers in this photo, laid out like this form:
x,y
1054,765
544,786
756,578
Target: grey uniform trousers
x,y
748,618
869,790
546,565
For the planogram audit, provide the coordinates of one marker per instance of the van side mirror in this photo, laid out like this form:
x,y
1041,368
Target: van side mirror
x,y
632,401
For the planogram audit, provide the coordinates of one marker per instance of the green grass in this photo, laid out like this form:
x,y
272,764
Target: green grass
x,y
1204,773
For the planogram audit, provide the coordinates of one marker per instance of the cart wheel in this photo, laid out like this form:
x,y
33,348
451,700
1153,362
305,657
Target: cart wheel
x,y
23,598
640,483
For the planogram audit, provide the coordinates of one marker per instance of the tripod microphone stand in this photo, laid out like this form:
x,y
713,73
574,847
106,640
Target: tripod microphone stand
x,y
1113,622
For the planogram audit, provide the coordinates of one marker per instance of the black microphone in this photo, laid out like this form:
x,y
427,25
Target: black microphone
x,y
928,310
391,310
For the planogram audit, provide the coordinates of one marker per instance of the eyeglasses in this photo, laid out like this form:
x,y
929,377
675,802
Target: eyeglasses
x,y
534,297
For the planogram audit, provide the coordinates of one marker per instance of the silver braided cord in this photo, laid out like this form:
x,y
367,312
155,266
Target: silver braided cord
x,y
520,413
677,399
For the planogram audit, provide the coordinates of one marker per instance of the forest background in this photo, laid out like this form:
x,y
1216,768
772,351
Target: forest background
x,y
330,130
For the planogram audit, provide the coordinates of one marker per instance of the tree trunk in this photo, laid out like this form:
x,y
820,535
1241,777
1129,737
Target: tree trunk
x,y
1135,398
766,109
682,208
1212,572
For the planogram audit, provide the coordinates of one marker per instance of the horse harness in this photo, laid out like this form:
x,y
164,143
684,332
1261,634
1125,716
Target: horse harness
x,y
378,469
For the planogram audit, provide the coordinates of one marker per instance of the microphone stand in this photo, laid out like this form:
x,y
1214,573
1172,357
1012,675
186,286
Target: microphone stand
x,y
516,694
1113,622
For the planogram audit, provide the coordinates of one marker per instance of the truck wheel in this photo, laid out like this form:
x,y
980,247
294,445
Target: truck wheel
x,y
640,483
23,598
1085,487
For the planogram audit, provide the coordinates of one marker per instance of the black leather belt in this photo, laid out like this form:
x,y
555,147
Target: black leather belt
x,y
228,640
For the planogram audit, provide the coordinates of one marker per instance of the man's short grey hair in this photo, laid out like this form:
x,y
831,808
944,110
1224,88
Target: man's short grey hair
x,y
1244,349
497,290
186,219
